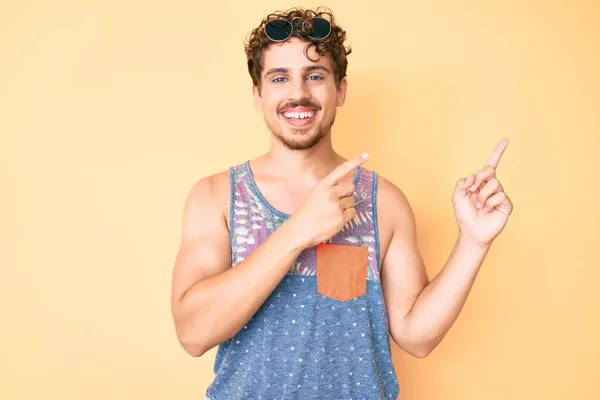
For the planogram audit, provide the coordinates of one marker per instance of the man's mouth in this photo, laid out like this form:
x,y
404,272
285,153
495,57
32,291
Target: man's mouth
x,y
300,116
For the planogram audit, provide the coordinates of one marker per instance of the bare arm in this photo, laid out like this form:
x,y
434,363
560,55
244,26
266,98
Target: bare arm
x,y
422,312
210,300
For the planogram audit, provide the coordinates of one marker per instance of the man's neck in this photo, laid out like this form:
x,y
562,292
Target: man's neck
x,y
308,166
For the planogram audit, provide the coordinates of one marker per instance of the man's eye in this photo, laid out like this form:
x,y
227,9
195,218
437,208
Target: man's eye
x,y
315,78
279,80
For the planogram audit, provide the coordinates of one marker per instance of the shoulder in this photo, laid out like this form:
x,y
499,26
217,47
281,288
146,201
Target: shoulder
x,y
393,206
216,186
388,193
209,197
210,188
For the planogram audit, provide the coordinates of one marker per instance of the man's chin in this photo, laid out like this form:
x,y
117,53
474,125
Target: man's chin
x,y
300,139
304,132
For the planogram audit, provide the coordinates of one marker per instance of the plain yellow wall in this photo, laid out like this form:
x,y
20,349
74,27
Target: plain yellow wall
x,y
111,110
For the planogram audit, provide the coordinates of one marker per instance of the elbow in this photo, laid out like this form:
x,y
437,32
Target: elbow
x,y
420,351
190,339
417,346
423,347
191,344
194,350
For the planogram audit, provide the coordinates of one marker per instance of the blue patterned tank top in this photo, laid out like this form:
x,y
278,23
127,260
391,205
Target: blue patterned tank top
x,y
323,332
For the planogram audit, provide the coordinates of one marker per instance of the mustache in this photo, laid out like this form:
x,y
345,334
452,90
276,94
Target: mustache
x,y
301,103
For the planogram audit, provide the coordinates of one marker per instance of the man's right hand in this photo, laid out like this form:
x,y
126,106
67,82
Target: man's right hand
x,y
206,287
328,207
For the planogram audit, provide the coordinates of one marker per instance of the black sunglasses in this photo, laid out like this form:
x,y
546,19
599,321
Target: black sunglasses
x,y
280,30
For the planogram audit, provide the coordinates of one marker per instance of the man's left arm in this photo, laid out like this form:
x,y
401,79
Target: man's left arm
x,y
421,312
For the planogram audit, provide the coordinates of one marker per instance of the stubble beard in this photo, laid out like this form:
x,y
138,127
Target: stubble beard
x,y
301,139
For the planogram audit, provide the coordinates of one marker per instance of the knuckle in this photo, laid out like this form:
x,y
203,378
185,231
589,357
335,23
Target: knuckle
x,y
352,213
331,195
484,173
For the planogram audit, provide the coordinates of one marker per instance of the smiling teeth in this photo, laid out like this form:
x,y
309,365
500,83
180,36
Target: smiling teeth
x,y
298,115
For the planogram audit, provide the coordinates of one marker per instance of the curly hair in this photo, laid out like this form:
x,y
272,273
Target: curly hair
x,y
333,45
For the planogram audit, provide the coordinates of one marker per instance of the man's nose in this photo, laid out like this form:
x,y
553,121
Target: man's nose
x,y
298,89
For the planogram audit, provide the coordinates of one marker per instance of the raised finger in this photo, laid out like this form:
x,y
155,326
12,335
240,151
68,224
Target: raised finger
x,y
494,158
344,169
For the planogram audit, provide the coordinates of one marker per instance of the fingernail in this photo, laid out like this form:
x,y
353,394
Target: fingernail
x,y
472,188
365,155
478,205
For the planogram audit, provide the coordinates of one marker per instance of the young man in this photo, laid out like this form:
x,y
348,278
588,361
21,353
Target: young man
x,y
300,264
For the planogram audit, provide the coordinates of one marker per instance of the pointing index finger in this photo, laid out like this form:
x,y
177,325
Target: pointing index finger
x,y
343,169
494,159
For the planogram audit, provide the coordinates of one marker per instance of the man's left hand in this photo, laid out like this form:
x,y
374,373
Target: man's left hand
x,y
481,206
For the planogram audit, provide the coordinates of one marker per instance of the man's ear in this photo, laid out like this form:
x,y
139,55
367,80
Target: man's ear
x,y
257,98
341,92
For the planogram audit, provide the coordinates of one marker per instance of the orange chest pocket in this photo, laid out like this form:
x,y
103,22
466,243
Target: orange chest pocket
x,y
342,271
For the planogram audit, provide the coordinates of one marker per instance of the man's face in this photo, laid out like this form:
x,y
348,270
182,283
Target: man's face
x,y
298,97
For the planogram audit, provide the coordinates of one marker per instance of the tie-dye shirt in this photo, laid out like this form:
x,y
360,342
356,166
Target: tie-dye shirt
x,y
323,332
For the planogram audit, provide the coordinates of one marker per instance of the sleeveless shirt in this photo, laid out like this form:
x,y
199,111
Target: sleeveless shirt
x,y
308,341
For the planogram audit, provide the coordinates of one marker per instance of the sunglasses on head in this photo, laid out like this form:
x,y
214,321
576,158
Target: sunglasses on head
x,y
281,29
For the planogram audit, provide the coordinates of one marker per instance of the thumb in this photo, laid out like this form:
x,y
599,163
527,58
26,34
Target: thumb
x,y
463,185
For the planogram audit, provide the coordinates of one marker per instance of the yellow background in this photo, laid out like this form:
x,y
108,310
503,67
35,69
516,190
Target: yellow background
x,y
111,110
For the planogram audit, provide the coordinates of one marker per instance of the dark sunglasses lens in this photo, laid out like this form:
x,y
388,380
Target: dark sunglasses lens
x,y
318,28
279,29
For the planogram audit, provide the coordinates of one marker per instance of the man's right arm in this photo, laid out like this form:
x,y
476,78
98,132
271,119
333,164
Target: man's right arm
x,y
210,301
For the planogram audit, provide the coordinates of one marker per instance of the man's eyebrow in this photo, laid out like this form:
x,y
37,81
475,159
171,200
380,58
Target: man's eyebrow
x,y
306,69
277,71
316,68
